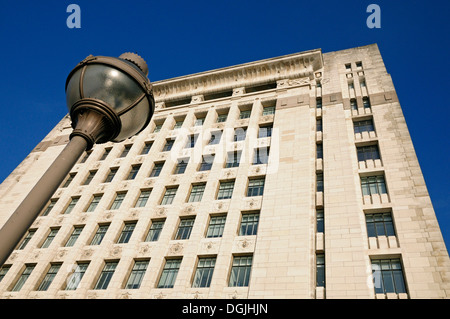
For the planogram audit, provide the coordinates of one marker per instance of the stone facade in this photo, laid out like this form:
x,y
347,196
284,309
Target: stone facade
x,y
313,101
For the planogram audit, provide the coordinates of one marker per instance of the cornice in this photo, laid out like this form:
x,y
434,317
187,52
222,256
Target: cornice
x,y
291,66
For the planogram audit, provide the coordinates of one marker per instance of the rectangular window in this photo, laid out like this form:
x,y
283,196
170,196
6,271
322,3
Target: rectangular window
x,y
245,114
240,133
265,131
178,124
199,121
126,150
319,125
320,225
233,159
216,226
157,128
319,182
51,235
207,162
23,277
155,230
137,273
197,192
54,268
191,141
84,159
111,174
49,207
3,271
27,238
249,224
319,151
117,201
169,195
133,172
268,110
204,272
94,203
261,155
353,104
157,168
71,205
366,102
363,126
105,154
181,166
126,233
388,276
101,232
69,179
168,146
106,275
146,148
320,270
369,152
222,118
74,236
373,185
215,137
143,198
169,273
74,279
225,190
379,224
319,102
240,271
255,187
185,228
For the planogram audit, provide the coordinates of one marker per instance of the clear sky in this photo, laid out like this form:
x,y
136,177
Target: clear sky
x,y
177,38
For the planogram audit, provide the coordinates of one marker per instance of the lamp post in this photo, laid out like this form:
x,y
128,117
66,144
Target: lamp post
x,y
109,99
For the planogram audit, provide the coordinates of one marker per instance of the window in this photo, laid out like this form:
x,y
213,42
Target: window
x,y
146,148
225,190
268,110
320,270
191,141
359,64
245,114
185,228
265,131
74,279
215,137
255,187
69,179
319,102
233,159
133,172
169,273
137,273
84,159
369,152
168,146
49,277
51,235
199,121
155,230
23,277
366,102
362,83
363,126
126,233
27,238
320,225
261,156
143,198
240,271
71,205
388,276
3,271
240,133
178,124
74,236
379,224
373,185
197,192
216,226
319,151
181,166
319,182
111,174
98,237
353,104
126,150
157,128
94,203
348,66
106,274
157,168
117,201
49,207
249,224
105,153
207,162
351,86
204,272
222,118
169,195
319,125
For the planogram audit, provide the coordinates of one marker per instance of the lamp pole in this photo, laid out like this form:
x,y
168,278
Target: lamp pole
x,y
120,104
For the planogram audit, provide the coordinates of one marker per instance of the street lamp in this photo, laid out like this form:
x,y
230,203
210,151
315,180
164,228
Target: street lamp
x,y
109,99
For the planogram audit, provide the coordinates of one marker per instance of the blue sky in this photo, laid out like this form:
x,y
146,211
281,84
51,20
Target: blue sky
x,y
183,37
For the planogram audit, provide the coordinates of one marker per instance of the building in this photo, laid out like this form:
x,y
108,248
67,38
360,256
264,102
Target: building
x,y
290,177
